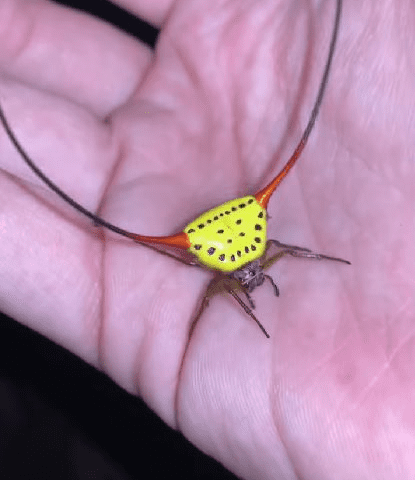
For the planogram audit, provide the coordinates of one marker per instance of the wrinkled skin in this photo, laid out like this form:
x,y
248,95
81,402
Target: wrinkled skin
x,y
149,141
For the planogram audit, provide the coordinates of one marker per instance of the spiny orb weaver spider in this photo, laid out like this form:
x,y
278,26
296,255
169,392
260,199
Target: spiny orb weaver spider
x,y
230,239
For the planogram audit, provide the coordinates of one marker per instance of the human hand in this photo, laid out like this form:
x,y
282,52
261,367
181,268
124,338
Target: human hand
x,y
149,141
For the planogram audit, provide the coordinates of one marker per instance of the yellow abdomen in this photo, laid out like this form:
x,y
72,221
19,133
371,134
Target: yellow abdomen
x,y
230,235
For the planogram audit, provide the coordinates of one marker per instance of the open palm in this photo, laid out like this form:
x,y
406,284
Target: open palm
x,y
149,140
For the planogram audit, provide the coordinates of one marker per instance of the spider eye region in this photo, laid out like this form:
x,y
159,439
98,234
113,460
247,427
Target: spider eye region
x,y
230,235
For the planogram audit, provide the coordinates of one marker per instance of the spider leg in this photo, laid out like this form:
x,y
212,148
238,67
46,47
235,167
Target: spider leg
x,y
211,289
276,289
298,252
232,292
203,304
316,256
285,246
249,298
270,261
191,263
220,282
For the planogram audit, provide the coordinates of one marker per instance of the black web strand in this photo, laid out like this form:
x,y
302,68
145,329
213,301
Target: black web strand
x,y
265,193
323,84
53,186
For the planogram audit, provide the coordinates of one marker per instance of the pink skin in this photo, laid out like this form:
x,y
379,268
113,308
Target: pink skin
x,y
149,141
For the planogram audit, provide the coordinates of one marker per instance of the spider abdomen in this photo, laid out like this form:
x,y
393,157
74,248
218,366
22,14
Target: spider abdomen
x,y
230,235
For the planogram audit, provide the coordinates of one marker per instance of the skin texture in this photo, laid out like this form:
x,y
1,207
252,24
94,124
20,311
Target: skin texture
x,y
151,140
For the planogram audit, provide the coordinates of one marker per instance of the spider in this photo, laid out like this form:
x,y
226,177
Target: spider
x,y
230,239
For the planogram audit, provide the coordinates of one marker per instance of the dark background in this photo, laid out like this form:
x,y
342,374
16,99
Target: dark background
x,y
62,419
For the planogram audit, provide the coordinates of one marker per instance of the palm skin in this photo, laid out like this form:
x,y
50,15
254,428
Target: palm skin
x,y
149,141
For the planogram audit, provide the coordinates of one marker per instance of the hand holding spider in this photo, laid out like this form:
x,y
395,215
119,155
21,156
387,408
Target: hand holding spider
x,y
148,142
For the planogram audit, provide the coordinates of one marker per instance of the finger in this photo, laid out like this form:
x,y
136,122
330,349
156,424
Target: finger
x,y
154,12
69,54
69,144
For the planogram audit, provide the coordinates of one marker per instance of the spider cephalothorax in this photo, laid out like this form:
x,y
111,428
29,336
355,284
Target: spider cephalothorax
x,y
250,276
